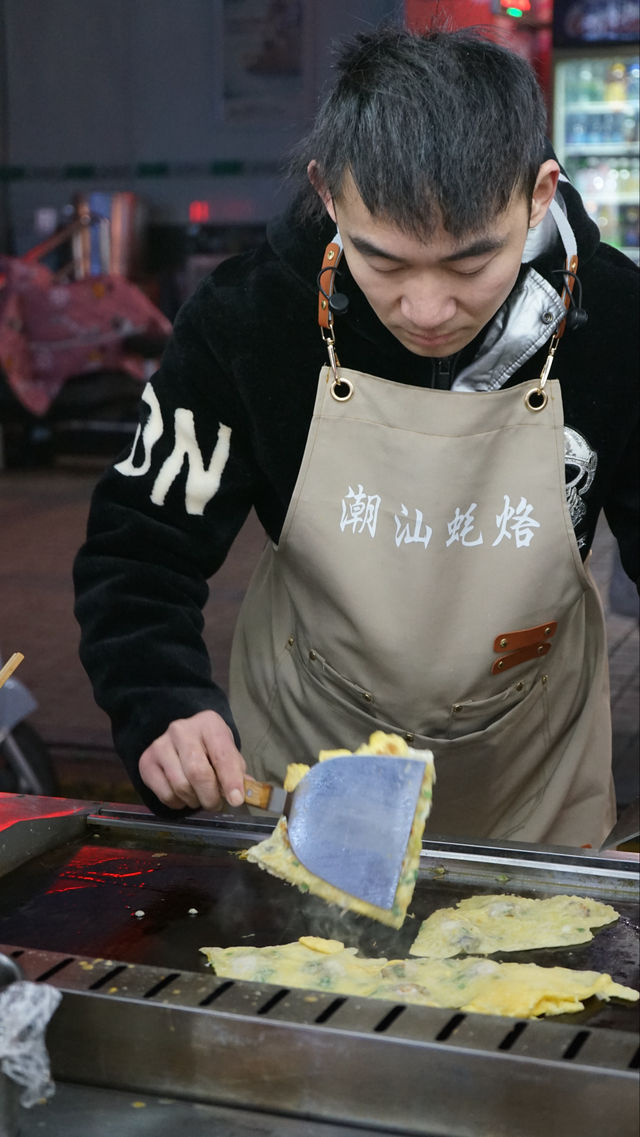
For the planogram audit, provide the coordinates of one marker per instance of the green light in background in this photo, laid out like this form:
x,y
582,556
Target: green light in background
x,y
514,12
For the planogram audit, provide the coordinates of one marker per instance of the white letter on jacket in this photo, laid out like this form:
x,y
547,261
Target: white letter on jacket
x,y
202,481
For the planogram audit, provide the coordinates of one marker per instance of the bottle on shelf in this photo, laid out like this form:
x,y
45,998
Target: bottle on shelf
x,y
630,226
599,77
585,82
572,83
607,221
630,126
584,175
624,177
615,89
612,178
595,128
597,179
633,81
577,128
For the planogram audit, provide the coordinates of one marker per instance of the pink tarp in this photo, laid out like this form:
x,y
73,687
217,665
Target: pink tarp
x,y
50,331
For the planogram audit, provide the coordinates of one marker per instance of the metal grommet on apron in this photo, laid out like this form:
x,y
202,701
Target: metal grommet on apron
x,y
342,390
425,527
536,397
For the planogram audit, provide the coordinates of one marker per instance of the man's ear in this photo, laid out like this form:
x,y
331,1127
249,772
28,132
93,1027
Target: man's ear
x,y
543,191
319,185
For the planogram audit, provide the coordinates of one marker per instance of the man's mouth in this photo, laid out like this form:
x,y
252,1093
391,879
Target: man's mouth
x,y
428,339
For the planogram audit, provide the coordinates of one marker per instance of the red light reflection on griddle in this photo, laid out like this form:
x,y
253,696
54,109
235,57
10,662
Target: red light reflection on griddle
x,y
91,867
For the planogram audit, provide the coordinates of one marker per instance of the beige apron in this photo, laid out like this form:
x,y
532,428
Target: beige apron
x,y
428,582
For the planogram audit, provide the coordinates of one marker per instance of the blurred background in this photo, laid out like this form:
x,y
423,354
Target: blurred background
x,y
141,142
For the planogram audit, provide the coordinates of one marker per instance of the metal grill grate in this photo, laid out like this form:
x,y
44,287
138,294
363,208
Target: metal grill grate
x,y
560,1042
344,1059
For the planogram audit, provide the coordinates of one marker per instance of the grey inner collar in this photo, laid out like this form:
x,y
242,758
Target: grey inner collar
x,y
528,318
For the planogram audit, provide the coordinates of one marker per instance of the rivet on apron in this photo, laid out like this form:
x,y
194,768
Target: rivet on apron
x,y
500,664
291,641
367,696
540,649
504,641
408,736
544,678
313,655
456,707
519,686
547,631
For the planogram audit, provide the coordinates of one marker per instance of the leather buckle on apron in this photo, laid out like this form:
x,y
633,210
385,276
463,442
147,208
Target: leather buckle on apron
x,y
330,261
522,645
341,389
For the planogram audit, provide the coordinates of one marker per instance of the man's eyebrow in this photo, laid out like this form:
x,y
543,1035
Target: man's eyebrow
x,y
477,248
368,249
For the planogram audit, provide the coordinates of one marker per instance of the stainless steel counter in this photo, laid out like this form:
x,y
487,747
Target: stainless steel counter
x,y
142,1014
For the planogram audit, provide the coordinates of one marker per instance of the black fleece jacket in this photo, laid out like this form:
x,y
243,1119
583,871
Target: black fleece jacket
x,y
246,353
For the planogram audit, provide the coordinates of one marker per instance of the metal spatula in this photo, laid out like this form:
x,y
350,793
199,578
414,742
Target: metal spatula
x,y
349,820
626,828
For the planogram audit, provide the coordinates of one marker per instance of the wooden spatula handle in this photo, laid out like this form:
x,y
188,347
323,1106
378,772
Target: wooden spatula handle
x,y
10,666
257,793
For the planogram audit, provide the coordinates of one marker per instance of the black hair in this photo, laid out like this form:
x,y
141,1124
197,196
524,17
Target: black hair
x,y
435,127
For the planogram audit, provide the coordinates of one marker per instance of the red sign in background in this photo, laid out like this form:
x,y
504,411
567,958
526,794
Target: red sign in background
x,y
530,36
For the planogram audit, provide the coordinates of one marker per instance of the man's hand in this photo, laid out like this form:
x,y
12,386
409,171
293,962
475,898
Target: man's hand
x,y
195,763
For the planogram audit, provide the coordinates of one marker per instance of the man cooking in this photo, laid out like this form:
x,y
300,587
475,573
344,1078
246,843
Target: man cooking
x,y
425,383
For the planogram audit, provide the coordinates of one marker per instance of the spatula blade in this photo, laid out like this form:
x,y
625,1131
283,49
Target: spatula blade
x,y
626,828
350,820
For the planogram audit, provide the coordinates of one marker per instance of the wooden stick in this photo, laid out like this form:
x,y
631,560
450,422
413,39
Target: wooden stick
x,y
10,666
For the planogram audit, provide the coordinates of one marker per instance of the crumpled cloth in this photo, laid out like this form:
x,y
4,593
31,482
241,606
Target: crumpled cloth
x,y
25,1010
50,331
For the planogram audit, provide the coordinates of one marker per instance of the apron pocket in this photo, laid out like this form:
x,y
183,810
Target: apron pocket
x,y
320,671
339,712
491,781
477,714
298,712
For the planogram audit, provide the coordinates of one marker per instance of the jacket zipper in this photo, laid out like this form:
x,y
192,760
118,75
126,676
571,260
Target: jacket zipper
x,y
442,372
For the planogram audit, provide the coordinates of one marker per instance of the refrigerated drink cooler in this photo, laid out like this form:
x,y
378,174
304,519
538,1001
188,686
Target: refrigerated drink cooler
x,y
596,136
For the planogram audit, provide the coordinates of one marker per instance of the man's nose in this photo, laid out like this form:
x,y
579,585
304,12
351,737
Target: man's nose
x,y
427,305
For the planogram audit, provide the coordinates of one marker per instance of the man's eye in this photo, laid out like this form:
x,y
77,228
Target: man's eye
x,y
385,267
471,271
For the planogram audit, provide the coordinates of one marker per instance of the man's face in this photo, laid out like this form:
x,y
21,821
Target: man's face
x,y
434,296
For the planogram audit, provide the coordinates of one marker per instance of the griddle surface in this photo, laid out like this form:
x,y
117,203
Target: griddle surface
x,y
81,898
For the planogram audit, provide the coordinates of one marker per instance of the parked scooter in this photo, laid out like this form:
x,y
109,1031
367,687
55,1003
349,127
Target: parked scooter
x,y
25,762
